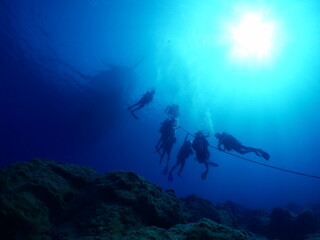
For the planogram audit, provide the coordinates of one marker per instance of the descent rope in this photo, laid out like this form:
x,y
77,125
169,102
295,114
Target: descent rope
x,y
259,163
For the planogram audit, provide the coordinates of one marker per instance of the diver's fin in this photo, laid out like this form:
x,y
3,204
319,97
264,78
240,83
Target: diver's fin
x,y
204,175
213,164
264,154
133,115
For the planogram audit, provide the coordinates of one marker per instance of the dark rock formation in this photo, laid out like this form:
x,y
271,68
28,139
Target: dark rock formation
x,y
313,236
316,210
294,207
286,226
117,203
51,200
196,208
47,200
229,214
305,223
281,221
254,220
205,229
35,193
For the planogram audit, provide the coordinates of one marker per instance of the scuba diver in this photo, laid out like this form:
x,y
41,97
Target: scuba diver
x,y
145,100
229,143
184,152
200,145
166,141
172,111
167,129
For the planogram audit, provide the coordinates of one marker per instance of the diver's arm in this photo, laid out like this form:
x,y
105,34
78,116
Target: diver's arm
x,y
176,126
220,148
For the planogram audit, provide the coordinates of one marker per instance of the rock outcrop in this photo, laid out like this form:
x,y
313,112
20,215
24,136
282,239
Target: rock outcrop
x,y
313,236
195,208
51,200
48,200
287,226
205,229
254,220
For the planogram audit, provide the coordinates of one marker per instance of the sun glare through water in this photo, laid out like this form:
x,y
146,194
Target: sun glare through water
x,y
252,37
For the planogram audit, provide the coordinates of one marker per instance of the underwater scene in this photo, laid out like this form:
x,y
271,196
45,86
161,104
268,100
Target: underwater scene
x,y
146,119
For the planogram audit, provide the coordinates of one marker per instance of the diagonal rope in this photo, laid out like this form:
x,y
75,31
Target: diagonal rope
x,y
259,163
267,165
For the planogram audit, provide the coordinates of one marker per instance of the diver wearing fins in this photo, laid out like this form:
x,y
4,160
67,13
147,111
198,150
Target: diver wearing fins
x,y
229,143
200,145
166,141
184,152
145,100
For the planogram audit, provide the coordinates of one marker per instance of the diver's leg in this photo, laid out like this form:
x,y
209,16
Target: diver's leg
x,y
165,170
205,173
140,105
239,150
255,150
207,154
159,142
243,149
182,163
133,105
174,167
170,177
258,152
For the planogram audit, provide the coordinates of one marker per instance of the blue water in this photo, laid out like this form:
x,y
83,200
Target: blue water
x,y
59,99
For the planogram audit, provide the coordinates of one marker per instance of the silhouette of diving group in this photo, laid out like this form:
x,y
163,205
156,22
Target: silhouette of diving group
x,y
199,145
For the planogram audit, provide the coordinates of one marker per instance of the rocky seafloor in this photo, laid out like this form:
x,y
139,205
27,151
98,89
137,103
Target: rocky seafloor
x,y
44,199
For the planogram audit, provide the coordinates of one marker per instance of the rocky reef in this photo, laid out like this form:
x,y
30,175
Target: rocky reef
x,y
44,199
